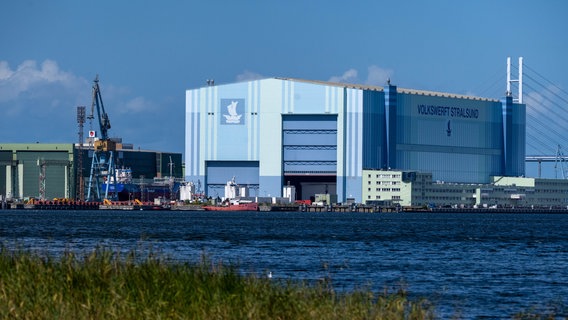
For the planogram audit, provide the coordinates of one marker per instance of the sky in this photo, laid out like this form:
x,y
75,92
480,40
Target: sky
x,y
147,53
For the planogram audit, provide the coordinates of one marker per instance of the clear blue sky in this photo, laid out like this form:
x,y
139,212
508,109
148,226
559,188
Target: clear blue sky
x,y
147,53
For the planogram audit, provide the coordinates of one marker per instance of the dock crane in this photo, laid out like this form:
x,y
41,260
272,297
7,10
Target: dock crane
x,y
103,163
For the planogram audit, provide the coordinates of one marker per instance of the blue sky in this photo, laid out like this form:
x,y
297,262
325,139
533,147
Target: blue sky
x,y
147,53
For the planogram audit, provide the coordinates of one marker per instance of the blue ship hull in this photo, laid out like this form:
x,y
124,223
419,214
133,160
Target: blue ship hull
x,y
128,191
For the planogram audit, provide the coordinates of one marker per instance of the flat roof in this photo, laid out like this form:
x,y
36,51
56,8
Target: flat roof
x,y
399,89
336,84
379,88
443,94
37,146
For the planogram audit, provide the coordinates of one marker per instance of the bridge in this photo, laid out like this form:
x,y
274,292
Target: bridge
x,y
546,117
558,160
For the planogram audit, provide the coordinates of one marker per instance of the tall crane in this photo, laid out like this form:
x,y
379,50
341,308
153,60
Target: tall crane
x,y
103,163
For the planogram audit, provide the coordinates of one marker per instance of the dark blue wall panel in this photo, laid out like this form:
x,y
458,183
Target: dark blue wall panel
x,y
245,172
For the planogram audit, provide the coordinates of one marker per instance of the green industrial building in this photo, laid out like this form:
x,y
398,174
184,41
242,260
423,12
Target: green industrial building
x,y
48,171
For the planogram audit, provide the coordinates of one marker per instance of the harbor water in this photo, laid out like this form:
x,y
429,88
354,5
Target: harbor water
x,y
470,266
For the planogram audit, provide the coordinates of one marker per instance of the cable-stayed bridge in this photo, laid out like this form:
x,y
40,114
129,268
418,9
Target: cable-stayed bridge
x,y
546,118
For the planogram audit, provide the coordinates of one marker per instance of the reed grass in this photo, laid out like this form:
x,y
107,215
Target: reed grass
x,y
106,285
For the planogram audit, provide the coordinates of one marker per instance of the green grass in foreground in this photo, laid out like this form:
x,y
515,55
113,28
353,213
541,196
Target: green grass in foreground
x,y
104,285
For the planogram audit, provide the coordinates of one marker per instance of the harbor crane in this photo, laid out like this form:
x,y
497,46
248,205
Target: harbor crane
x,y
103,165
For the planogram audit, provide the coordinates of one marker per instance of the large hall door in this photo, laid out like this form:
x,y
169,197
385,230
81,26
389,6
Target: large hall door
x,y
309,148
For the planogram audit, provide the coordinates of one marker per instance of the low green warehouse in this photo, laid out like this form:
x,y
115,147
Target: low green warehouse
x,y
50,170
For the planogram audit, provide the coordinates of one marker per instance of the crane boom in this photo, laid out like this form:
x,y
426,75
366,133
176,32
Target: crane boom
x,y
97,101
104,143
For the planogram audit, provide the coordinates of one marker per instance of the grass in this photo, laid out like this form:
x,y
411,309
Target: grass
x,y
106,285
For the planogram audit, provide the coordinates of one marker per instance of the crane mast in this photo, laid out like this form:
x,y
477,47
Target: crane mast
x,y
103,167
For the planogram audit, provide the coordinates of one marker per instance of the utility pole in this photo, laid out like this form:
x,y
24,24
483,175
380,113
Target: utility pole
x,y
80,187
171,179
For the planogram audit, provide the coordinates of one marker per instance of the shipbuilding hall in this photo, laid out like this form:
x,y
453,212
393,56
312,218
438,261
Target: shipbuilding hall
x,y
320,136
58,170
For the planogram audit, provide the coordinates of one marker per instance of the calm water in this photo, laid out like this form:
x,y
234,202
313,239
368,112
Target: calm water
x,y
470,265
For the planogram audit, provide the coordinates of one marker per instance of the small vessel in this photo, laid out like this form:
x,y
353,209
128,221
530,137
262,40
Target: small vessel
x,y
235,199
247,206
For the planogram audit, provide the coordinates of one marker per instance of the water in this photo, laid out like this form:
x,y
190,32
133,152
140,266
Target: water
x,y
470,266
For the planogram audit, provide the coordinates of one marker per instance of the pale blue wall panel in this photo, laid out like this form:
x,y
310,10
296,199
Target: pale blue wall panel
x,y
270,186
308,98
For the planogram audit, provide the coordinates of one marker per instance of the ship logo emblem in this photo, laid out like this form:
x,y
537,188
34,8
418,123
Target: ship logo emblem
x,y
233,117
449,130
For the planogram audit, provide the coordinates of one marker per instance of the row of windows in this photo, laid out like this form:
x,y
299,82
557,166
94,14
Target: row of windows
x,y
384,175
455,195
538,200
441,198
428,190
551,191
472,191
379,198
387,183
385,189
560,184
522,190
459,199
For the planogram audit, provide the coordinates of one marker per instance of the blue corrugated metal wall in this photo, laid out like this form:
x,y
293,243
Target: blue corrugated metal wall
x,y
458,140
374,130
309,144
514,124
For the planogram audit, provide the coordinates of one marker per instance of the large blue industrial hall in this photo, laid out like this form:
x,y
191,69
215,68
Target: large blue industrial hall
x,y
319,136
